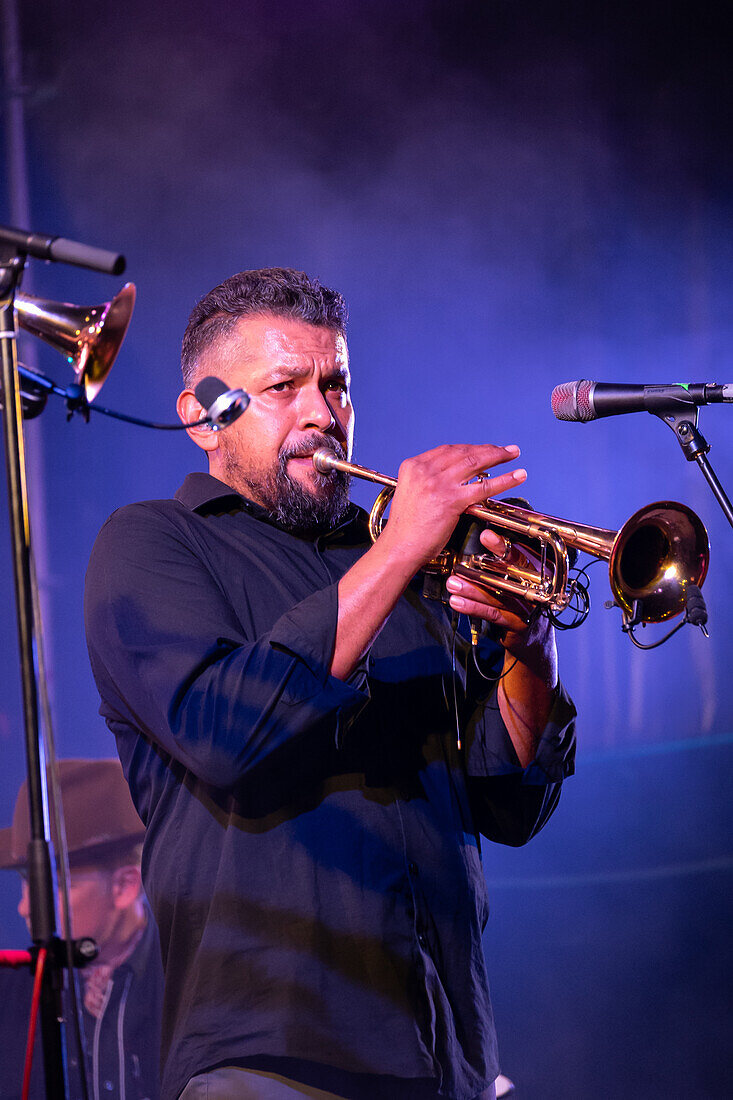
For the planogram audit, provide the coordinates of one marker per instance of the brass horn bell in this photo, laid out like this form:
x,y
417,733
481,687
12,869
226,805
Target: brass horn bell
x,y
89,336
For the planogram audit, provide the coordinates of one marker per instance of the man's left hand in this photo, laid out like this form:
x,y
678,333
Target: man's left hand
x,y
526,634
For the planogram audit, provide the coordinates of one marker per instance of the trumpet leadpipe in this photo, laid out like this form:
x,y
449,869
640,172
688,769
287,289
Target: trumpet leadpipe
x,y
324,462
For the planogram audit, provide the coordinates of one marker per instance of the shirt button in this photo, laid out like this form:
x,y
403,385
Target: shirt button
x,y
421,940
109,1086
412,868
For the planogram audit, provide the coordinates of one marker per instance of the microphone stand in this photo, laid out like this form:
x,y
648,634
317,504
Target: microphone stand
x,y
15,247
695,448
41,866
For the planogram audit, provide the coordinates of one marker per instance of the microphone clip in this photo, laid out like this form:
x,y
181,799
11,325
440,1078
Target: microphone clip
x,y
696,614
683,422
695,448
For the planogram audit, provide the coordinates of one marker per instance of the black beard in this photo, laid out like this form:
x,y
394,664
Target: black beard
x,y
295,508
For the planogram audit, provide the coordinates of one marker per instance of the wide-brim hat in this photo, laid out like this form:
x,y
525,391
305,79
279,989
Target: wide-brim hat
x,y
101,820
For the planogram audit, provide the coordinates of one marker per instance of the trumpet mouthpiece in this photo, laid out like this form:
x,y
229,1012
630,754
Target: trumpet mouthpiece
x,y
324,461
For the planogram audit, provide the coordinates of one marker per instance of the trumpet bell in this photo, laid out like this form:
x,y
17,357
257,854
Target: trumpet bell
x,y
658,553
88,336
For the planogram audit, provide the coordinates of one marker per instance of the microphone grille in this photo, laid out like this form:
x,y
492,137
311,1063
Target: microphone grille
x,y
571,400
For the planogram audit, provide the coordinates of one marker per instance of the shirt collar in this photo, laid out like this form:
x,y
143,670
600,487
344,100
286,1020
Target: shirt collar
x,y
199,490
202,493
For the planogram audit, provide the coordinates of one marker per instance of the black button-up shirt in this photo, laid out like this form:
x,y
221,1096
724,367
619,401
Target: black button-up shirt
x,y
312,851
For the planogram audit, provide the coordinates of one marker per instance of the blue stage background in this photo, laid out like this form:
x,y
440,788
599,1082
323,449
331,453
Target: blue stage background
x,y
510,196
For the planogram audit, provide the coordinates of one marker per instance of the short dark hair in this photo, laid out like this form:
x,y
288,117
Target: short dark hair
x,y
280,291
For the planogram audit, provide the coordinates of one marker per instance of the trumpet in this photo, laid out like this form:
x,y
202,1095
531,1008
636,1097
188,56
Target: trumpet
x,y
653,558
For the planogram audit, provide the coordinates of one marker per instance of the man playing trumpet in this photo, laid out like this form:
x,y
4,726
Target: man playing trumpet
x,y
285,704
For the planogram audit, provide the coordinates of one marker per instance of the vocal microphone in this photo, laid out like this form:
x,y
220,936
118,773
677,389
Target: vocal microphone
x,y
223,406
585,400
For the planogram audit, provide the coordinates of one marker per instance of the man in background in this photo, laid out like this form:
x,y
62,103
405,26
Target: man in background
x,y
121,991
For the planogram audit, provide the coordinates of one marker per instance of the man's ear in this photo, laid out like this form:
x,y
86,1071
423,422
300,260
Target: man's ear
x,y
189,410
127,885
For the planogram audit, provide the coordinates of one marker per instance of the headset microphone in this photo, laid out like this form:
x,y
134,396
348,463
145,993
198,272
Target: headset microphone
x,y
223,406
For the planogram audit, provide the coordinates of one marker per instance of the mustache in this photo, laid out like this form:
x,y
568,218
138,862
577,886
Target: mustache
x,y
310,443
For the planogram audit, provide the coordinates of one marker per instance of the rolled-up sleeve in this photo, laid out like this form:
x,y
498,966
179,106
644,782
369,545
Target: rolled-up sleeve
x,y
510,804
172,659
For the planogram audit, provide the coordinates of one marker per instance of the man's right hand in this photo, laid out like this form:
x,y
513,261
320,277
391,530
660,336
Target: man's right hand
x,y
434,489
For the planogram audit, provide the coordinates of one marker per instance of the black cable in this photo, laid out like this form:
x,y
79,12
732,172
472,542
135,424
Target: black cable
x,y
696,614
76,402
653,645
579,587
454,677
491,679
144,423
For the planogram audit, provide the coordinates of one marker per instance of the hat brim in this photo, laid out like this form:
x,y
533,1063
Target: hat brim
x,y
80,857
